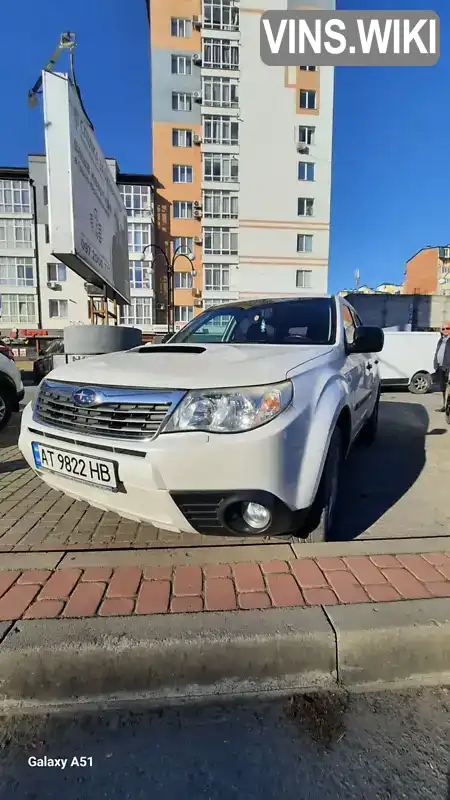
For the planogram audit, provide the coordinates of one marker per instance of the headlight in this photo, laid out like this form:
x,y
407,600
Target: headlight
x,y
230,410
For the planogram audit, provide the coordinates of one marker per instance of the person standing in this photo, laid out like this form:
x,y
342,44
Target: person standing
x,y
442,361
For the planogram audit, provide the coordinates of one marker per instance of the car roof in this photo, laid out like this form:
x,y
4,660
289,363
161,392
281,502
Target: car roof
x,y
258,302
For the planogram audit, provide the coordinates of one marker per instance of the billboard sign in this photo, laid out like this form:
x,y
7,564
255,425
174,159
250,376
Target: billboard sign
x,y
87,217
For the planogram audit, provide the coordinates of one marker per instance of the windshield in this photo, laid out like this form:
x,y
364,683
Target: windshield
x,y
301,321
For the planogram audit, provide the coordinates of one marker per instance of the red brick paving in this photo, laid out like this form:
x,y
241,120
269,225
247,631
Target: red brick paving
x,y
102,591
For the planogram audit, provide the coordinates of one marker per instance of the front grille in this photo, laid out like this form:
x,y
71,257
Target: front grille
x,y
123,413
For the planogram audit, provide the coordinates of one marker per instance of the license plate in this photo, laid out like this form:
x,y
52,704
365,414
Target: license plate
x,y
72,465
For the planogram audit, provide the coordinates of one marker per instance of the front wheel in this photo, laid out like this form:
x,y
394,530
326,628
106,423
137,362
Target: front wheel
x,y
420,383
369,430
322,521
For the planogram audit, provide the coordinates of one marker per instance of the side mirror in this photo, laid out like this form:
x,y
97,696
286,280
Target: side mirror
x,y
368,339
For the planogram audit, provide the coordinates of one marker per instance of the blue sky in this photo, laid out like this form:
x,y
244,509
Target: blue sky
x,y
391,167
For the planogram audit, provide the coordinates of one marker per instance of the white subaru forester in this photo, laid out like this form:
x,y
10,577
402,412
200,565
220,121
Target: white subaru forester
x,y
239,424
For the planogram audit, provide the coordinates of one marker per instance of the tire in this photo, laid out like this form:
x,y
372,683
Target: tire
x,y
420,383
6,406
369,430
322,522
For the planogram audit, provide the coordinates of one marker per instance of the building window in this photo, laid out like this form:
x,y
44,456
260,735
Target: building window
x,y
216,277
183,280
303,279
183,209
47,233
182,173
218,203
220,54
307,99
308,69
181,137
14,197
220,241
305,207
306,134
184,313
220,130
18,308
181,101
220,167
181,65
305,171
57,272
140,275
220,92
16,271
304,243
138,236
183,245
15,233
220,15
58,308
140,312
136,199
45,195
181,27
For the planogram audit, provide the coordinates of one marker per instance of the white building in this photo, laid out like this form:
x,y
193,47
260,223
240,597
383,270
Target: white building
x,y
37,291
244,148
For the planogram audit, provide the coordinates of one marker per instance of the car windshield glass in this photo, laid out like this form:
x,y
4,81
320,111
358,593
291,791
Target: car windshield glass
x,y
303,321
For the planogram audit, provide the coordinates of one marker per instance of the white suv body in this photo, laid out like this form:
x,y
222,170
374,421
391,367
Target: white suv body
x,y
228,428
11,389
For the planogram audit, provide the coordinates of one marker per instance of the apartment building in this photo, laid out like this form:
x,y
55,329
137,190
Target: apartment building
x,y
39,292
243,156
428,271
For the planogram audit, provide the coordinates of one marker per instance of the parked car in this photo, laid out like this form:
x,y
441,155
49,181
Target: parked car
x,y
5,350
44,364
408,360
11,389
239,424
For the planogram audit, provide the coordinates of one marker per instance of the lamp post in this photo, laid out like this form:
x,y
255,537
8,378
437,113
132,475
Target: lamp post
x,y
170,269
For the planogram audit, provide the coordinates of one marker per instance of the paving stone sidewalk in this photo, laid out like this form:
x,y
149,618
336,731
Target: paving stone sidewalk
x,y
103,591
36,518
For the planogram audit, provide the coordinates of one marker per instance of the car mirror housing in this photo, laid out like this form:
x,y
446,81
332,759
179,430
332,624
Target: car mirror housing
x,y
368,339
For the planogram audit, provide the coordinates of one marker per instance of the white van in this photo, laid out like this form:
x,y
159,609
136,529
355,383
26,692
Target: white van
x,y
407,359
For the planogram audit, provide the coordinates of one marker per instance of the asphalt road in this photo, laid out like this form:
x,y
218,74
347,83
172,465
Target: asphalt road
x,y
312,747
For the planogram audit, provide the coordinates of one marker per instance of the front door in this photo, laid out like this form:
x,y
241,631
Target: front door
x,y
357,374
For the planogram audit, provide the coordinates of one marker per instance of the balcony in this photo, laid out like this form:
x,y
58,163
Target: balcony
x,y
221,15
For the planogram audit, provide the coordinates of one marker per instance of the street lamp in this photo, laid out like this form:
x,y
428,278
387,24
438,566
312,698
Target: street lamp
x,y
170,269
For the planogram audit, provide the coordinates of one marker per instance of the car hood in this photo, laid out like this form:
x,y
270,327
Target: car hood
x,y
190,366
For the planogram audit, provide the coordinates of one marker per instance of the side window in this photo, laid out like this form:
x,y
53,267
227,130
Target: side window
x,y
349,324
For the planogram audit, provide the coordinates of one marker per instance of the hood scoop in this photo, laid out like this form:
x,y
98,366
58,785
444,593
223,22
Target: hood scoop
x,y
167,348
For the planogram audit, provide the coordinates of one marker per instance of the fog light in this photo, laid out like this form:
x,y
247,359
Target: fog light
x,y
256,516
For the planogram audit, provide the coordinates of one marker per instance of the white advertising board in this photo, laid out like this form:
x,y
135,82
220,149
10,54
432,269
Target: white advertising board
x,y
87,217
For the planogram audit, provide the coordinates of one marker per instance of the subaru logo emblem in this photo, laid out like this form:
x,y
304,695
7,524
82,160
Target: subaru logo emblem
x,y
85,397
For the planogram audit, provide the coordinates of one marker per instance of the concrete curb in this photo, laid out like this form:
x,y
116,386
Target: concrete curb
x,y
185,656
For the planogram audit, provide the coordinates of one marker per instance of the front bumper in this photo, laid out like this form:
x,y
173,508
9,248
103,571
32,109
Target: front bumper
x,y
185,481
